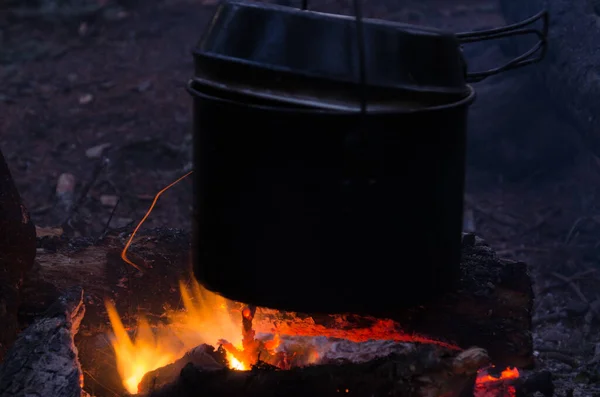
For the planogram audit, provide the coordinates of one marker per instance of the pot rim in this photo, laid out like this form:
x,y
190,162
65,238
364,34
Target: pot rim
x,y
465,101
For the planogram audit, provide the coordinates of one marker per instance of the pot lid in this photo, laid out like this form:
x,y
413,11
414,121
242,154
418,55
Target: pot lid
x,y
253,37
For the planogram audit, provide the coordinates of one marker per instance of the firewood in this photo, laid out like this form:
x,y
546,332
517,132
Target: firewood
x,y
203,356
491,308
427,371
43,361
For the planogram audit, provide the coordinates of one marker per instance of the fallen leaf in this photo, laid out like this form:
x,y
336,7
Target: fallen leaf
x,y
48,231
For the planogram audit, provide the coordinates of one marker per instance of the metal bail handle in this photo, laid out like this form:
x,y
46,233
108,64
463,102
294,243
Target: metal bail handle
x,y
535,54
356,141
361,50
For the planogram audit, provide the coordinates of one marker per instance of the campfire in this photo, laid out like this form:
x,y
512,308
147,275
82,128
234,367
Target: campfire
x,y
208,319
218,326
189,341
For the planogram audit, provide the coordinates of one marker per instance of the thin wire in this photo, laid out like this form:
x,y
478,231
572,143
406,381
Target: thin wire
x,y
362,64
124,252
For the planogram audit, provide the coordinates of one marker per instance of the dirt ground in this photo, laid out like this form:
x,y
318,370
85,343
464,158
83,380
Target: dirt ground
x,y
116,80
103,98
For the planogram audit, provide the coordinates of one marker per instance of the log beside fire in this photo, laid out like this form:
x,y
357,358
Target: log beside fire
x,y
43,360
491,308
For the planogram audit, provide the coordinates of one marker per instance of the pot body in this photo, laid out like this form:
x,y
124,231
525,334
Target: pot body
x,y
325,211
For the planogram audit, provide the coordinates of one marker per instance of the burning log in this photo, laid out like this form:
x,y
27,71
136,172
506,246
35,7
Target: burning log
x,y
43,361
17,253
490,308
424,371
203,356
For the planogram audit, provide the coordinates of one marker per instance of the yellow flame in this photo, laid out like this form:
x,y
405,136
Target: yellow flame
x,y
137,357
234,363
206,319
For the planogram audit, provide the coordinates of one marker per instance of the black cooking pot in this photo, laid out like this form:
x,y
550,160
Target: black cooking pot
x,y
330,158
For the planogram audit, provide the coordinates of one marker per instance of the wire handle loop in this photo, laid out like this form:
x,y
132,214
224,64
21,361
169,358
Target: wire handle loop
x,y
535,54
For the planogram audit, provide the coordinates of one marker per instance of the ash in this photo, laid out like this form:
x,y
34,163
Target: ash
x,y
339,350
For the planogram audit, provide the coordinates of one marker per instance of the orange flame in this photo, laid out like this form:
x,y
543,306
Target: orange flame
x,y
508,373
206,319
485,381
137,357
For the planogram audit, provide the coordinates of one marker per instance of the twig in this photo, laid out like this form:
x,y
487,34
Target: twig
x,y
592,309
573,228
576,225
574,277
594,360
107,226
85,190
574,287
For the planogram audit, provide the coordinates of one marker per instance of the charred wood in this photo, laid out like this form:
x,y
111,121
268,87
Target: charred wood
x,y
490,308
43,360
204,357
426,371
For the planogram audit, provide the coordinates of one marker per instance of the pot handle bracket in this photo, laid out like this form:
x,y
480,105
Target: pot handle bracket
x,y
535,54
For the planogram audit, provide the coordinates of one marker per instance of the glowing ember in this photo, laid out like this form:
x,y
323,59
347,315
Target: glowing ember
x,y
508,373
380,329
492,386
